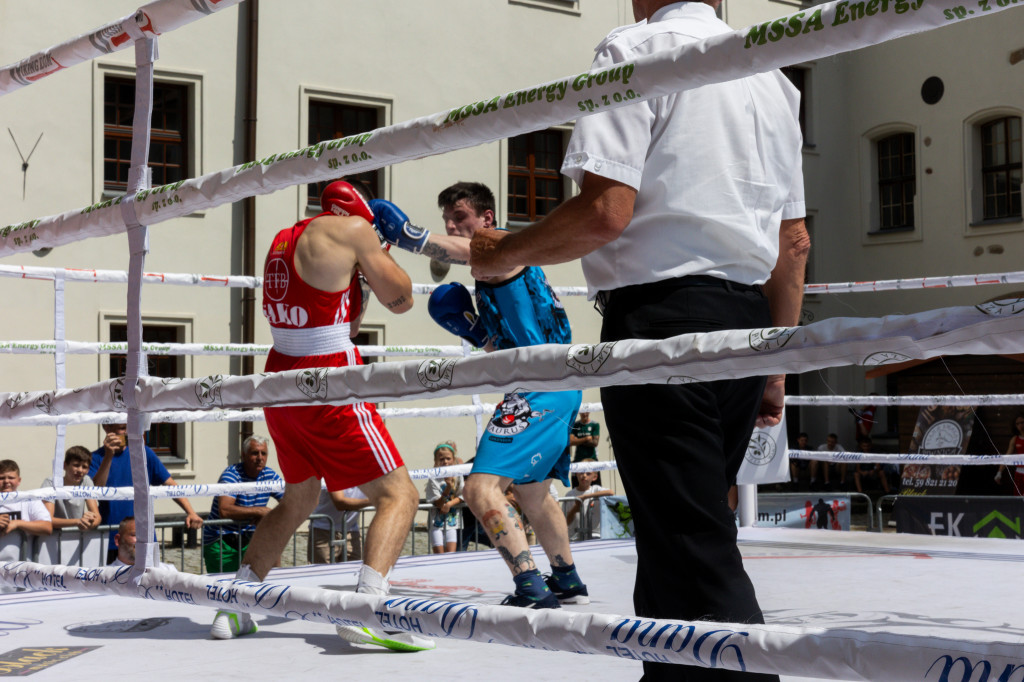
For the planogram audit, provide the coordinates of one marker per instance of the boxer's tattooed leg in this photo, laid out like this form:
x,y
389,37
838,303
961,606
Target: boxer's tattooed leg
x,y
559,561
440,253
520,562
514,515
395,303
495,524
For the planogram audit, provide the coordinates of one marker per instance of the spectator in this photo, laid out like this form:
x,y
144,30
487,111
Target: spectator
x,y
444,521
223,546
863,421
831,444
29,516
124,541
74,513
798,468
343,507
111,466
584,437
583,516
866,471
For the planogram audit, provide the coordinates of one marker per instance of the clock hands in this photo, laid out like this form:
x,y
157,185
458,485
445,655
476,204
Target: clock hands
x,y
24,160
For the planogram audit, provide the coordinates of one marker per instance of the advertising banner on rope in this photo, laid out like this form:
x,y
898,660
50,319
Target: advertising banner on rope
x,y
805,35
616,517
940,430
817,510
975,517
767,457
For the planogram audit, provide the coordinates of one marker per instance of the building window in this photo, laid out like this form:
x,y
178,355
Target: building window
x,y
169,143
1001,168
800,77
535,185
897,182
331,120
165,440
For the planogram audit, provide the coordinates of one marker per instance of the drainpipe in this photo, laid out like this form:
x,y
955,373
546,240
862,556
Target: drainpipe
x,y
252,11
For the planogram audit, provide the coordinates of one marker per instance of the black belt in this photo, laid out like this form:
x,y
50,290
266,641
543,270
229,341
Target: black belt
x,y
672,284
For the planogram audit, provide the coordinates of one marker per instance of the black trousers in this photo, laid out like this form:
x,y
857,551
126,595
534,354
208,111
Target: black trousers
x,y
678,449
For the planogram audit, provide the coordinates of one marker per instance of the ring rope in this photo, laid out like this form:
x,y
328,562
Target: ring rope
x,y
191,279
49,347
822,32
155,18
781,649
993,328
216,489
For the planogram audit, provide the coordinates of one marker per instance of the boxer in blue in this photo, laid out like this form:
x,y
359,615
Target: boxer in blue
x,y
527,440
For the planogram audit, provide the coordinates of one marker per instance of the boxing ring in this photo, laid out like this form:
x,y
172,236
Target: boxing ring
x,y
871,632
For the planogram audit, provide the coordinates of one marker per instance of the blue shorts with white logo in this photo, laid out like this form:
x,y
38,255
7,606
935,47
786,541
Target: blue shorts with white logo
x,y
527,439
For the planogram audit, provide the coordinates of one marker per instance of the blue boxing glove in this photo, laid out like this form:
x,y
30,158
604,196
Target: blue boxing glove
x,y
451,306
391,222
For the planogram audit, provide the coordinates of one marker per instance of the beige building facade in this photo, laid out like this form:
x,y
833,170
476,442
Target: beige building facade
x,y
335,69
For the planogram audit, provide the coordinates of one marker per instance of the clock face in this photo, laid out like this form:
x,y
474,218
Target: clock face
x,y
943,435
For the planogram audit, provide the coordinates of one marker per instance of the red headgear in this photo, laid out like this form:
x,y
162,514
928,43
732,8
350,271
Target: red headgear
x,y
341,198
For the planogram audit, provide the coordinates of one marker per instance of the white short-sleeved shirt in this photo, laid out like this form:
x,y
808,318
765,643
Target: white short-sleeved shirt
x,y
29,510
326,507
68,509
717,168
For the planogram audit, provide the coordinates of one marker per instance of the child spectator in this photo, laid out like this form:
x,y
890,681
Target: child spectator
x,y
30,516
443,521
582,516
343,507
74,513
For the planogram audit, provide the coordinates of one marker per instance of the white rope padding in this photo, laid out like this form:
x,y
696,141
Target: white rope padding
x,y
787,650
805,35
910,400
161,16
49,347
991,328
903,457
121,277
191,279
215,489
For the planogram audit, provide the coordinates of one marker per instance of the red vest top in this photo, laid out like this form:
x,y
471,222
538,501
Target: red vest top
x,y
291,304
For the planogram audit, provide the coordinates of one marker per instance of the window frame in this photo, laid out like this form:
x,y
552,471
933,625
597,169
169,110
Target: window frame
x,y
975,224
870,218
181,463
563,6
564,131
191,81
307,94
898,180
806,101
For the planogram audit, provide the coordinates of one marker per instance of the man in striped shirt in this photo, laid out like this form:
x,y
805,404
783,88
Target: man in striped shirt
x,y
223,545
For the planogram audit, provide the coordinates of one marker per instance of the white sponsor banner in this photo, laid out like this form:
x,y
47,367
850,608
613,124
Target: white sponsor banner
x,y
155,18
767,457
806,35
839,653
988,329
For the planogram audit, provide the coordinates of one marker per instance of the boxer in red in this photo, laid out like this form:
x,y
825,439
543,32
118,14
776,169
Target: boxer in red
x,y
313,301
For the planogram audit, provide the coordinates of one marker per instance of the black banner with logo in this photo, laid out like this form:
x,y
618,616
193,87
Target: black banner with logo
x,y
940,430
976,517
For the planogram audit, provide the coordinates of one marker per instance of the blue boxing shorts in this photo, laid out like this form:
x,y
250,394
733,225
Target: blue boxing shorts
x,y
527,439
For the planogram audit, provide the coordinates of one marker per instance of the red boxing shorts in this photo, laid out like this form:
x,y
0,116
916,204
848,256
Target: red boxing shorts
x,y
346,445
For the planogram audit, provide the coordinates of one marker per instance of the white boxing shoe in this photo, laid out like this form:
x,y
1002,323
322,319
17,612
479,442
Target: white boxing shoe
x,y
396,641
228,625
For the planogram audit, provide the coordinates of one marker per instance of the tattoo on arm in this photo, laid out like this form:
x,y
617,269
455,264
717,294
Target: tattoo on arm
x,y
440,253
395,303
